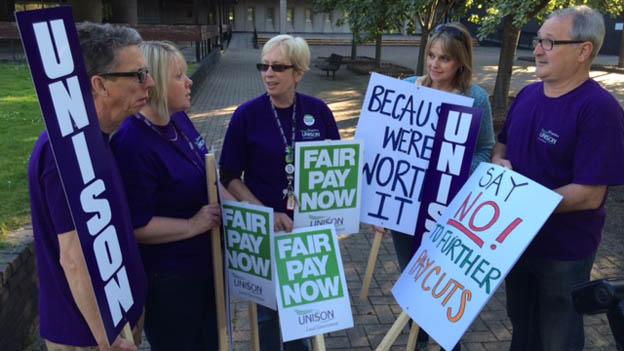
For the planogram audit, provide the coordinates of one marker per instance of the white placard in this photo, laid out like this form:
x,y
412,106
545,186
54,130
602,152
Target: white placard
x,y
478,239
249,251
328,177
397,125
312,294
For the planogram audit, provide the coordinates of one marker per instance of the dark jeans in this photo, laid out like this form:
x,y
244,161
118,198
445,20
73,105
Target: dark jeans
x,y
539,304
180,313
403,247
269,330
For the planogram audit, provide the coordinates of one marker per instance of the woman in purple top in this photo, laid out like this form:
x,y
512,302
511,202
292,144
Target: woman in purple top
x,y
161,159
259,144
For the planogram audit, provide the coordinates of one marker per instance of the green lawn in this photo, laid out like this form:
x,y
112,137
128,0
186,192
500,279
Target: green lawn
x,y
20,125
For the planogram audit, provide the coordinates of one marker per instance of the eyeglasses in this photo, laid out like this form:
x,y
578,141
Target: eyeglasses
x,y
141,74
263,67
452,31
548,44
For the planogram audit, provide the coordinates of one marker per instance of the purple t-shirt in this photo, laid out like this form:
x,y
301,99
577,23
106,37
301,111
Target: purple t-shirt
x,y
59,317
253,144
164,177
575,138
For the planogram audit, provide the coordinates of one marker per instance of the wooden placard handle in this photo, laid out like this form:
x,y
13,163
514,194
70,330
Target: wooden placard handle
x,y
394,332
217,256
318,343
253,326
370,266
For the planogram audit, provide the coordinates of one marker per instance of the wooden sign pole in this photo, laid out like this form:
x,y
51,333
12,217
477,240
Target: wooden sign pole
x,y
217,257
318,343
370,266
394,332
413,337
253,326
126,333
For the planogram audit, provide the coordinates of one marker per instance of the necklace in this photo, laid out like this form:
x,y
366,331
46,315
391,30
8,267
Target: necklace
x,y
196,157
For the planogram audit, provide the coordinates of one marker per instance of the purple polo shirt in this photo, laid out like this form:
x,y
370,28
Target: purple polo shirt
x,y
165,178
59,317
253,144
575,138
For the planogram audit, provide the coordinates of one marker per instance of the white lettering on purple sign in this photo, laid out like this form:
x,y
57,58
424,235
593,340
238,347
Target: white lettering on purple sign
x,y
72,117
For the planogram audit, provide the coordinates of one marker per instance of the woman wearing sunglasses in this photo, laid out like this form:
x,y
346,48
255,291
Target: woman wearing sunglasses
x,y
161,158
449,68
257,160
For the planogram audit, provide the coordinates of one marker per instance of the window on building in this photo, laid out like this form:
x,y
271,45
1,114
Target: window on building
x,y
270,14
251,14
308,16
231,15
290,15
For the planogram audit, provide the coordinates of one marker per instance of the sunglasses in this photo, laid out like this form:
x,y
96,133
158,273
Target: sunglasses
x,y
263,67
141,74
452,31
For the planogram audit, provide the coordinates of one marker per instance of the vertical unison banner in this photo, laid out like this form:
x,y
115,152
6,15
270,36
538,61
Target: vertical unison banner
x,y
398,125
453,149
85,166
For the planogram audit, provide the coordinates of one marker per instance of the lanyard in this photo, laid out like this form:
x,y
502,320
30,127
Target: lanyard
x,y
195,159
289,158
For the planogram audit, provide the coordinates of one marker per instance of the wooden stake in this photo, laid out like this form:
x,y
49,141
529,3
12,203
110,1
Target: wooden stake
x,y
217,257
370,266
318,343
126,333
394,332
413,336
253,326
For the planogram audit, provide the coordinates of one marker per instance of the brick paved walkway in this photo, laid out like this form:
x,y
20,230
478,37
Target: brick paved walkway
x,y
235,80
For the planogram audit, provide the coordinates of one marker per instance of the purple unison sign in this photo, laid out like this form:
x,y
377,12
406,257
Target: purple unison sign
x,y
453,148
87,171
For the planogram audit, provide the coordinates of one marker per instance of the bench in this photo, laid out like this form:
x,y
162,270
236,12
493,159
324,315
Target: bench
x,y
332,63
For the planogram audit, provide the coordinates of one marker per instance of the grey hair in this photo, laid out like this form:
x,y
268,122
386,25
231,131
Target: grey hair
x,y
294,48
100,42
587,25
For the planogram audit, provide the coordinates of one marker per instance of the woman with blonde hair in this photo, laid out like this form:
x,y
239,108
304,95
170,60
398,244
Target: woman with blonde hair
x,y
257,160
161,158
449,68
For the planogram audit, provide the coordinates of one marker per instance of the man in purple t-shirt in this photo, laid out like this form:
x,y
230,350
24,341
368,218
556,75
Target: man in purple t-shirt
x,y
567,133
69,316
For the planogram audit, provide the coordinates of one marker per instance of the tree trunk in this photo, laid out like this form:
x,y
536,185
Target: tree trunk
x,y
354,46
621,59
424,38
87,10
511,34
378,50
124,11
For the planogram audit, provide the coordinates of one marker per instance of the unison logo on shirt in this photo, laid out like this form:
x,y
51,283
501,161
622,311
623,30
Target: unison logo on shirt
x,y
307,134
548,136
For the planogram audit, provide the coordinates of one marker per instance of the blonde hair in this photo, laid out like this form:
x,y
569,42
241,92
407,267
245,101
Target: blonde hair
x,y
295,49
160,56
456,48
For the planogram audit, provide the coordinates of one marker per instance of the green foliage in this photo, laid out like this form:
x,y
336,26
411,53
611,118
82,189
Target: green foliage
x,y
20,125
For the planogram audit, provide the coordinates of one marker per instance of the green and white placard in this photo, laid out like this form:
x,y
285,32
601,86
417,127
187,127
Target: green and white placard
x,y
328,180
312,293
248,251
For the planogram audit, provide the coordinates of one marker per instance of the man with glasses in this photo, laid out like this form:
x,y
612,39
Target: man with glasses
x,y
567,133
69,316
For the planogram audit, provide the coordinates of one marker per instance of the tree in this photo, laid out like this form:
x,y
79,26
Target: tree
x,y
331,5
369,19
428,14
616,9
513,14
